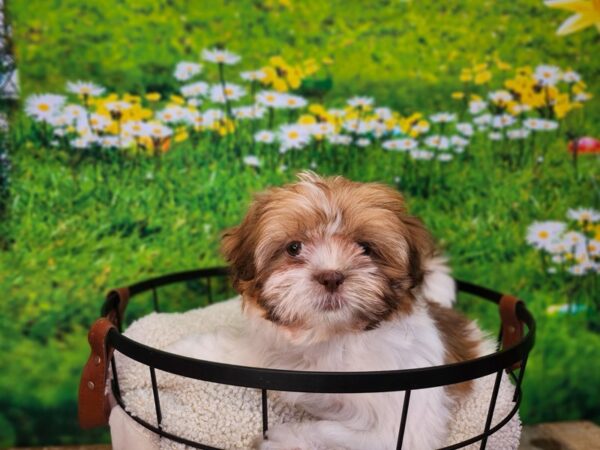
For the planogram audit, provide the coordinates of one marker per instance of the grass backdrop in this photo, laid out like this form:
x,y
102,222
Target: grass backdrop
x,y
72,234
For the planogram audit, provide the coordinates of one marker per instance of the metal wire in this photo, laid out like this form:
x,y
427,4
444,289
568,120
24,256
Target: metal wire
x,y
322,382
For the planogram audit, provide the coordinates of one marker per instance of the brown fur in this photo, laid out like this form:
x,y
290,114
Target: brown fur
x,y
370,212
459,343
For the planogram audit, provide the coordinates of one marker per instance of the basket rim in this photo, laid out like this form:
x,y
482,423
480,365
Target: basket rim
x,y
317,381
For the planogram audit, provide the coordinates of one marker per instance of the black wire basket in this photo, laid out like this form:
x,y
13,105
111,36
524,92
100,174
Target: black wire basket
x,y
514,345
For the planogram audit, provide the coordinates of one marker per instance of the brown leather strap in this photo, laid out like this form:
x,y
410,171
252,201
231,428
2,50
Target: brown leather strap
x,y
121,296
93,404
512,327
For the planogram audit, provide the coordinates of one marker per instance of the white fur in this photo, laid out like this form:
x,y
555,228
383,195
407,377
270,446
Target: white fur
x,y
438,285
346,421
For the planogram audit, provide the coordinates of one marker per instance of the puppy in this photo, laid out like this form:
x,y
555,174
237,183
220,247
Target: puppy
x,y
335,275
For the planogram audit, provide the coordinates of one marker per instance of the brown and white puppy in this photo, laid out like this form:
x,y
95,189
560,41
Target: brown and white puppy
x,y
335,275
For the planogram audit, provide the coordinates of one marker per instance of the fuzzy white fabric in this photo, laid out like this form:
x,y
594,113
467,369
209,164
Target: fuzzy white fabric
x,y
230,417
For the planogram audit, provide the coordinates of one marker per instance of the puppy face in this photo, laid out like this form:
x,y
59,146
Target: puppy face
x,y
325,256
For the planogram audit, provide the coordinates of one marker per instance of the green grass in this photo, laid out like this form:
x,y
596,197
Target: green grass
x,y
73,232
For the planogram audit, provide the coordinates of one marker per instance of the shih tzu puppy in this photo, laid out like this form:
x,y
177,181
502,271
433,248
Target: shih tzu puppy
x,y
335,275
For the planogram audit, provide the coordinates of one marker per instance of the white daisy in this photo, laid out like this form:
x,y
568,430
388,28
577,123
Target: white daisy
x,y
99,122
186,70
339,139
547,75
85,88
593,247
500,97
265,137
573,239
543,234
249,112
252,161
322,129
363,142
173,114
73,113
421,127
293,101
437,141
520,108
458,141
549,125
378,128
445,157
401,145
42,107
360,102
194,89
581,269
443,117
383,113
584,215
502,121
357,126
495,136
253,75
211,116
194,102
133,128
293,137
518,133
231,92
484,119
424,155
465,128
157,130
477,106
272,99
218,56
337,113
83,142
118,106
582,97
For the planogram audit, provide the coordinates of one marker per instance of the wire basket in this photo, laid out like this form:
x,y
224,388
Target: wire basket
x,y
514,345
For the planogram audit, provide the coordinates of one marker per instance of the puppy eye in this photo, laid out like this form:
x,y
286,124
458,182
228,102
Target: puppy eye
x,y
366,248
293,248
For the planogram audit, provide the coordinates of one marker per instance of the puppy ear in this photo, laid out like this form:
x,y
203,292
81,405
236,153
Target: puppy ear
x,y
238,244
421,248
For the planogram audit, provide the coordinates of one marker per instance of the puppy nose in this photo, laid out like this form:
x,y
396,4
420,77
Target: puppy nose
x,y
331,279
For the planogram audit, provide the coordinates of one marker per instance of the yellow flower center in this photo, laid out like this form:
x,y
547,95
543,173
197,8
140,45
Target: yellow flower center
x,y
228,92
44,107
293,135
543,234
270,98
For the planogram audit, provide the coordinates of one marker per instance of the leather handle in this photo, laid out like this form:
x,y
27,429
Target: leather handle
x,y
93,403
512,327
117,299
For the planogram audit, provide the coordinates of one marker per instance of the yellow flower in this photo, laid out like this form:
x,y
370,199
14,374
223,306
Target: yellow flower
x,y
327,61
307,119
466,75
458,95
483,77
177,99
181,136
153,96
587,14
502,65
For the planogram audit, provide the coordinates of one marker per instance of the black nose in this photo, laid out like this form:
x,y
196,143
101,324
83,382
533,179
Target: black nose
x,y
331,279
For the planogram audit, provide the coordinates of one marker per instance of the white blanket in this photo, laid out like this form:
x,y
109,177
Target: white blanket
x,y
229,417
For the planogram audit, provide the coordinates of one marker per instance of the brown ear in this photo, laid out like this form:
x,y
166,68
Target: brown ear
x,y
238,244
420,248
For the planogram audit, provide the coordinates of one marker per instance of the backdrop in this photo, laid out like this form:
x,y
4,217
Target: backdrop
x,y
144,127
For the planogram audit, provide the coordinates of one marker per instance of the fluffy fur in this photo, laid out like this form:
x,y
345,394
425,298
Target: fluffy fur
x,y
337,276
